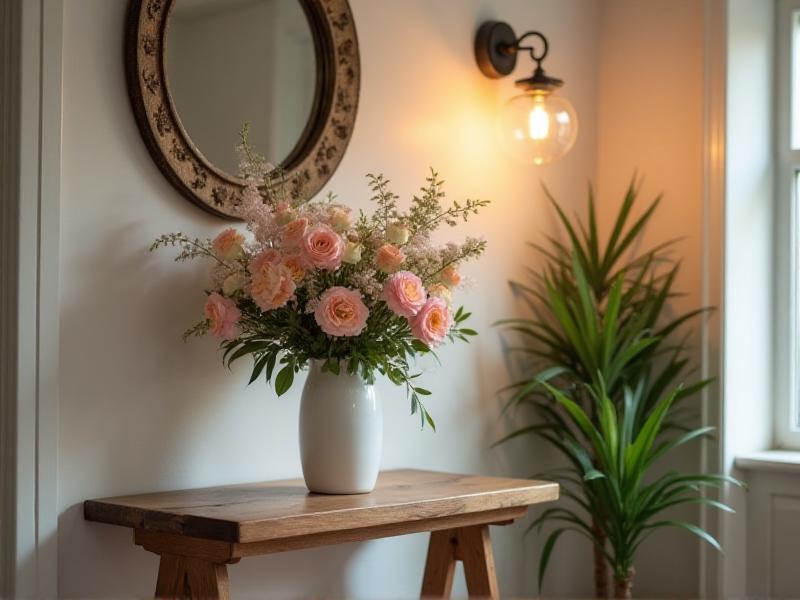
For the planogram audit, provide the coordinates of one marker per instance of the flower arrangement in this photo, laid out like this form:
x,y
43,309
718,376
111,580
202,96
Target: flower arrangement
x,y
312,281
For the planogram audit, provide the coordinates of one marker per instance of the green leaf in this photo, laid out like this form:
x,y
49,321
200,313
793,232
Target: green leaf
x,y
284,380
258,367
691,527
429,419
420,346
547,550
333,366
273,357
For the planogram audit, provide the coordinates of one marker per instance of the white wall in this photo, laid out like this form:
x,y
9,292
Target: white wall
x,y
140,410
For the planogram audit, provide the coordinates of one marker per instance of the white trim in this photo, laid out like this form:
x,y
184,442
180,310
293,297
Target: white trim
x,y
748,341
784,461
32,196
714,98
786,430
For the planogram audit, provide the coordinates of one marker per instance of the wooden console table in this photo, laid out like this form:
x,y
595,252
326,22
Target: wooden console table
x,y
198,532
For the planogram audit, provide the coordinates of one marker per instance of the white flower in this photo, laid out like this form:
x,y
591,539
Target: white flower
x,y
352,253
439,290
233,283
339,220
397,234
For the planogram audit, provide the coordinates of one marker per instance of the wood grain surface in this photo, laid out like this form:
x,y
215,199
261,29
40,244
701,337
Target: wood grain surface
x,y
259,512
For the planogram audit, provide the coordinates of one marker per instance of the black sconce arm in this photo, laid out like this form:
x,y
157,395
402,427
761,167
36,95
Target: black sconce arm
x,y
496,50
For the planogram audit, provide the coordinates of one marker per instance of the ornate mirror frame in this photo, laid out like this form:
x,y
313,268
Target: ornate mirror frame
x,y
321,146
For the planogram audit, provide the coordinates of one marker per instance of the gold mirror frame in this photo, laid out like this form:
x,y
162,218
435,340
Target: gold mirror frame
x,y
321,146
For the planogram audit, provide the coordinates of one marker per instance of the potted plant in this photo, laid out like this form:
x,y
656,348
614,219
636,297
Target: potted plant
x,y
309,284
606,384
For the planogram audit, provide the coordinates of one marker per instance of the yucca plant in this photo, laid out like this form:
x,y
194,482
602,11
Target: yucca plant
x,y
610,460
600,323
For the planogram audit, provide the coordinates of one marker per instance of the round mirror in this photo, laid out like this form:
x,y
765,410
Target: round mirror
x,y
230,62
198,70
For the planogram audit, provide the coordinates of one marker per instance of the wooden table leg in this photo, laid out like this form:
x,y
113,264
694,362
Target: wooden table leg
x,y
181,577
440,564
475,549
471,545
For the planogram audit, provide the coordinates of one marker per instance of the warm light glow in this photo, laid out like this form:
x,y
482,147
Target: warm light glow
x,y
538,123
538,127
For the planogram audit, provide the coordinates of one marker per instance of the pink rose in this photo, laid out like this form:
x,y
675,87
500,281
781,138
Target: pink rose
x,y
271,286
450,276
431,324
223,316
404,294
389,258
293,232
228,244
323,248
341,312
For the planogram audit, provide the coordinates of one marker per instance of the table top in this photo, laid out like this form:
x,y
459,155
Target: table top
x,y
256,512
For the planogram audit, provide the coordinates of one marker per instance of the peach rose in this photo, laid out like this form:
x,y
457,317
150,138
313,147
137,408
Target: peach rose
x,y
223,316
228,244
389,258
431,324
323,248
271,286
293,232
450,276
266,257
296,266
341,312
404,294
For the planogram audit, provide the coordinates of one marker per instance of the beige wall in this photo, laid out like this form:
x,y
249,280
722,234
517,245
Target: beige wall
x,y
650,121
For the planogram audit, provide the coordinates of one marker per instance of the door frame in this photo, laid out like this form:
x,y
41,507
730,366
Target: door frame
x,y
30,159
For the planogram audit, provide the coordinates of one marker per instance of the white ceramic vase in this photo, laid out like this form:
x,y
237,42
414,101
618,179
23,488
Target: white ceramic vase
x,y
341,432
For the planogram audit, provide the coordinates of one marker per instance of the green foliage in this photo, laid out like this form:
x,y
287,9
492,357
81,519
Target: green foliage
x,y
610,459
286,339
605,370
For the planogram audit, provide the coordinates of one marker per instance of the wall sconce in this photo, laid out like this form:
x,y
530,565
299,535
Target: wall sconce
x,y
537,126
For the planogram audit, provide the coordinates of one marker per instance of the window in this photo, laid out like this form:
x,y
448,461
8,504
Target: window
x,y
787,214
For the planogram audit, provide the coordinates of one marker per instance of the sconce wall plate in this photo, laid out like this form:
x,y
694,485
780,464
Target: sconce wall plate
x,y
492,44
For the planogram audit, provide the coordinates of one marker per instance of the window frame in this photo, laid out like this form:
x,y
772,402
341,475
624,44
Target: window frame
x,y
786,417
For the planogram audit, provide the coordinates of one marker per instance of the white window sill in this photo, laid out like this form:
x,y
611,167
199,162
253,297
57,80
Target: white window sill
x,y
783,461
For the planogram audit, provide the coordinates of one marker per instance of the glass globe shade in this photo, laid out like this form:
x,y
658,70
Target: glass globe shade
x,y
537,128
